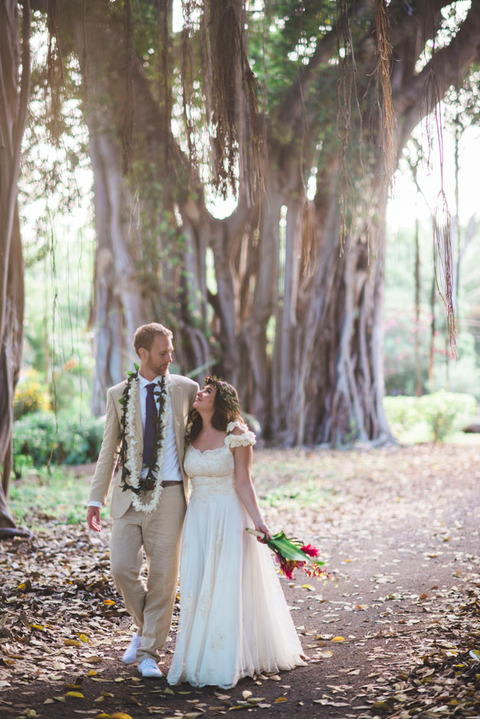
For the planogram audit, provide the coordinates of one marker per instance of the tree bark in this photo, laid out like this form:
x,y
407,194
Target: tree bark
x,y
418,363
118,305
13,104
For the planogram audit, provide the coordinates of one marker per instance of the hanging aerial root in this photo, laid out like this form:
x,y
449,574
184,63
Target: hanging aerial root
x,y
231,98
187,76
128,121
54,71
444,265
384,49
308,249
225,60
442,223
251,140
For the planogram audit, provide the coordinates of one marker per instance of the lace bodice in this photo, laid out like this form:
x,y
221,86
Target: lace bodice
x,y
213,469
209,463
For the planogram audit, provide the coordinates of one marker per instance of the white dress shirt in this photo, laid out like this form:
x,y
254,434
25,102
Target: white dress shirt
x,y
170,469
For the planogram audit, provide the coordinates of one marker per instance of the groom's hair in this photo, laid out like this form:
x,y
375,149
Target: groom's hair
x,y
145,335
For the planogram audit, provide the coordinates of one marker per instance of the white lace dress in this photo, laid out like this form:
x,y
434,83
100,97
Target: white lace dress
x,y
234,620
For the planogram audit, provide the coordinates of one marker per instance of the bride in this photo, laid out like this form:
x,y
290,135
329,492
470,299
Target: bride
x,y
234,620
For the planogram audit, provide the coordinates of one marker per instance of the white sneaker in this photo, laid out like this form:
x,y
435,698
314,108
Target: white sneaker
x,y
148,668
130,653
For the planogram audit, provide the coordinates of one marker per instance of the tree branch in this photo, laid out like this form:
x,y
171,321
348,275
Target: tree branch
x,y
447,65
292,106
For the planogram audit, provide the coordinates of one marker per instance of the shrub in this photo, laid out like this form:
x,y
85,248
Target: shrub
x,y
430,417
31,395
42,438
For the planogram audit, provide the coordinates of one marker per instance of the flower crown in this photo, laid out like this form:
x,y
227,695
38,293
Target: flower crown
x,y
226,390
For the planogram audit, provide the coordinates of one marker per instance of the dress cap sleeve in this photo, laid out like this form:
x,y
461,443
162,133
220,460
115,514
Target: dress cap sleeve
x,y
245,439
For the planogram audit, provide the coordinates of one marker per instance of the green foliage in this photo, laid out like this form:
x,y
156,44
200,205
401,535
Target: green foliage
x,y
430,417
41,439
461,375
31,395
447,412
48,495
305,493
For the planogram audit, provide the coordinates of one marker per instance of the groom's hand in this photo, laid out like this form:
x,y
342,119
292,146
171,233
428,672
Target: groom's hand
x,y
93,518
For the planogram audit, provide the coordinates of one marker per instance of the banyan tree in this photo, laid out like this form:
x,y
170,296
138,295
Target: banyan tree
x,y
296,112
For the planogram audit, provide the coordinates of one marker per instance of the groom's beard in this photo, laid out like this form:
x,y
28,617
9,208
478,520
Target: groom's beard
x,y
159,369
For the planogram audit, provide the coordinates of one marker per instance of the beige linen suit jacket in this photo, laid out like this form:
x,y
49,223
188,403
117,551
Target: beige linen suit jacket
x,y
182,396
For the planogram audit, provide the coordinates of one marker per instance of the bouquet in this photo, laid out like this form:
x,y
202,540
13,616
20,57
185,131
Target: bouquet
x,y
290,555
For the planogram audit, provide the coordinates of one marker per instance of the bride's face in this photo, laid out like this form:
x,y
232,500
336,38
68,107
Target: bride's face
x,y
205,399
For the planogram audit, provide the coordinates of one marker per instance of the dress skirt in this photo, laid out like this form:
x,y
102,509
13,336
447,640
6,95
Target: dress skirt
x,y
234,620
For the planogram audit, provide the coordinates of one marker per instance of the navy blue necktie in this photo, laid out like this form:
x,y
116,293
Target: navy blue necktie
x,y
149,430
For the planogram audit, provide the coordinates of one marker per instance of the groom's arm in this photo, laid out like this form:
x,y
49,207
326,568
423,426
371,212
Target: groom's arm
x,y
106,463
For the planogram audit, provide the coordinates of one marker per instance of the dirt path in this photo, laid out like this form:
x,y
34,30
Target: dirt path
x,y
391,633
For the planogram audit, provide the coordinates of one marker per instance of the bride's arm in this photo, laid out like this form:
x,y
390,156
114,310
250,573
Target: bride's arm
x,y
242,457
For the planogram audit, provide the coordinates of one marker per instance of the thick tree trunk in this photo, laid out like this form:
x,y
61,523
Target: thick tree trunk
x,y
284,371
13,102
338,397
10,360
263,306
119,307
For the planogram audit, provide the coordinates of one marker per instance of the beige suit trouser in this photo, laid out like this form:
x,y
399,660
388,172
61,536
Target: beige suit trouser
x,y
158,533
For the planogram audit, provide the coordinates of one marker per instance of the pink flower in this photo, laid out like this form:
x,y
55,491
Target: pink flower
x,y
290,555
310,550
288,566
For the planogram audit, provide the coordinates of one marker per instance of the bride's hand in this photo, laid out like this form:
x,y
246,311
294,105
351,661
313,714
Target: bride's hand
x,y
262,527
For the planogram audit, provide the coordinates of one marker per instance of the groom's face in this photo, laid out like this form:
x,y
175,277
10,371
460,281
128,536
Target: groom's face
x,y
159,357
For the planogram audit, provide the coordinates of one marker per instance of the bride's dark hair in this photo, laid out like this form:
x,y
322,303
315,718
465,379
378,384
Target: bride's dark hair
x,y
226,409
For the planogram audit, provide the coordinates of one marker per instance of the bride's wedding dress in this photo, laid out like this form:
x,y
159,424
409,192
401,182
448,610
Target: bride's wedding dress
x,y
234,620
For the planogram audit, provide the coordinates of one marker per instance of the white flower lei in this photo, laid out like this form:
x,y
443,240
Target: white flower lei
x,y
131,463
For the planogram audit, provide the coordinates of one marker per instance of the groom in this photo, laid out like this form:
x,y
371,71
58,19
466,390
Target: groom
x,y
144,434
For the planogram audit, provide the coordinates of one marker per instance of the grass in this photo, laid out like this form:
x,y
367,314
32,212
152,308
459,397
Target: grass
x,y
48,495
55,495
304,493
306,476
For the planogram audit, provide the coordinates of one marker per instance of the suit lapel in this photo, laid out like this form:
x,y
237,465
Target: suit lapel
x,y
177,403
177,411
138,423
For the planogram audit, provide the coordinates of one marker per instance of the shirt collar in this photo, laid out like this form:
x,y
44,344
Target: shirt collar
x,y
143,382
